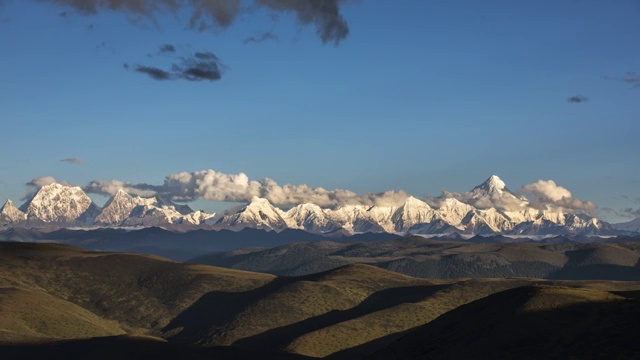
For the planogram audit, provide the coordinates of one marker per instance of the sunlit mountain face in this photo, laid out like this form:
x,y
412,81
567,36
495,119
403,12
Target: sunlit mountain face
x,y
508,213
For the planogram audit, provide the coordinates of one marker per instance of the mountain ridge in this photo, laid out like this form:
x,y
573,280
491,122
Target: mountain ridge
x,y
57,204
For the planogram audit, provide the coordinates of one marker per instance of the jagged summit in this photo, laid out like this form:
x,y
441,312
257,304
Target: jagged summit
x,y
61,203
10,213
310,217
120,207
452,211
492,184
259,213
413,212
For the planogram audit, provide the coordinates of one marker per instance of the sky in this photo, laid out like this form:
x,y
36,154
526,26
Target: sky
x,y
414,96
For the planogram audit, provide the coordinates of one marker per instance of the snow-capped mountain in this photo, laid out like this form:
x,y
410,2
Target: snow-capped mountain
x,y
494,187
59,203
484,222
310,217
358,218
124,209
10,213
413,212
451,211
631,226
196,218
259,214
119,207
451,214
151,215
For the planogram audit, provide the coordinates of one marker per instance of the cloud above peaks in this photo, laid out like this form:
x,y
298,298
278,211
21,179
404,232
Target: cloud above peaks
x,y
41,181
36,183
218,186
547,194
541,195
110,187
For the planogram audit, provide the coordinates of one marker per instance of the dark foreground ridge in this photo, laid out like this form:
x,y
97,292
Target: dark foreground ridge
x,y
134,347
57,300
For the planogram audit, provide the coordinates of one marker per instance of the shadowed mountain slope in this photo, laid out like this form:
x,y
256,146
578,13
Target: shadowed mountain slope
x,y
532,322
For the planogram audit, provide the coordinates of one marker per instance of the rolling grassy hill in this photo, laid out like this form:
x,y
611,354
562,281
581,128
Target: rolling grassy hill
x,y
58,298
437,259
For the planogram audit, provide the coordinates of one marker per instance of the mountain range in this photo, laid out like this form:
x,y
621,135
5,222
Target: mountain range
x,y
58,205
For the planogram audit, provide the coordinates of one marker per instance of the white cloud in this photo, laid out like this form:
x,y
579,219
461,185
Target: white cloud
x,y
110,187
218,186
548,194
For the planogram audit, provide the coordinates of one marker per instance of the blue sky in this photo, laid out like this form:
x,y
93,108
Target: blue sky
x,y
421,96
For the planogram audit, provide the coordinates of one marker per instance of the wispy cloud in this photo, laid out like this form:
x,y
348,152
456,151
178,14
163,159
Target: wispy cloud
x,y
199,66
73,160
167,49
631,78
262,37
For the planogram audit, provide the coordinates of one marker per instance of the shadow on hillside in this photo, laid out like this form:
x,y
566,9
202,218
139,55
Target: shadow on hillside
x,y
280,337
216,307
496,327
575,269
130,348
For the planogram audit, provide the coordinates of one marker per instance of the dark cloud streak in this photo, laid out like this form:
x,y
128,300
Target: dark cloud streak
x,y
73,160
262,37
577,99
167,49
633,79
154,72
200,66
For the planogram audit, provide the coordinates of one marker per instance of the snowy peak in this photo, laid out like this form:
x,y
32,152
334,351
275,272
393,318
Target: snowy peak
x,y
633,226
10,213
196,218
119,207
57,202
150,215
492,185
259,213
413,212
310,217
452,211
